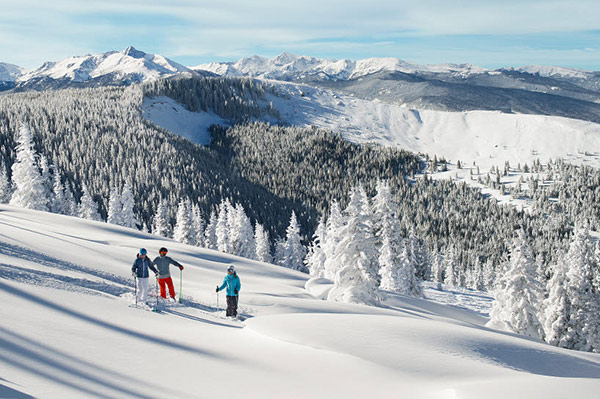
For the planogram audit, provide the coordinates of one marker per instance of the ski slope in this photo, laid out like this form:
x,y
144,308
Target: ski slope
x,y
69,330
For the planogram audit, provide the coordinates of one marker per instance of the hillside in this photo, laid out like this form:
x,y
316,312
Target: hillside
x,y
69,331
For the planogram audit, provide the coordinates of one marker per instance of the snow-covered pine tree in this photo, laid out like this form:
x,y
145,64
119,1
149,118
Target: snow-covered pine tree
x,y
437,267
583,330
489,275
71,207
222,230
59,203
161,226
184,229
449,265
5,185
516,305
114,207
556,313
315,258
356,280
29,188
408,283
243,234
294,252
46,179
335,222
279,255
88,208
128,218
210,234
263,246
198,224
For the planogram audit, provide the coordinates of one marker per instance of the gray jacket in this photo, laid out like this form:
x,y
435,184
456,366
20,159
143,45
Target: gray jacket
x,y
162,263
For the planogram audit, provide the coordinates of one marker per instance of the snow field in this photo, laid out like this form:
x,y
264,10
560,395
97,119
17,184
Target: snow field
x,y
68,330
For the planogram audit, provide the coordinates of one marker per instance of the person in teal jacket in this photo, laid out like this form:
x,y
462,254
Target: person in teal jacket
x,y
233,284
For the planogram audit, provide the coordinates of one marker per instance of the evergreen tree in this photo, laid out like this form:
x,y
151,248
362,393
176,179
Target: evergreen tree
x,y
161,226
88,208
516,305
30,191
59,201
557,307
582,327
449,265
5,186
210,234
184,229
294,252
222,230
47,181
243,234
263,250
279,256
128,218
315,258
437,268
198,225
115,207
356,280
334,225
71,207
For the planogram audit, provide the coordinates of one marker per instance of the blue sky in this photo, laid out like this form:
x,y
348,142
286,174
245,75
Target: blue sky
x,y
486,33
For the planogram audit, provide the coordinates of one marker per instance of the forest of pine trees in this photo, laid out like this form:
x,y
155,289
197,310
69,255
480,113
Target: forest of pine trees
x,y
306,199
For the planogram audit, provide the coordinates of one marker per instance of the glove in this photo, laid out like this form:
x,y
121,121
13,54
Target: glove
x,y
133,274
217,288
180,267
235,292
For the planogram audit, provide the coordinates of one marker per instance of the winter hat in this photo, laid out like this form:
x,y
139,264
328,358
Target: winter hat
x,y
143,251
231,268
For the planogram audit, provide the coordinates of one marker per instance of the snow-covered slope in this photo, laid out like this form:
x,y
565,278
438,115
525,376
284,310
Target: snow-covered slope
x,y
9,72
289,66
484,137
127,66
69,331
172,116
547,70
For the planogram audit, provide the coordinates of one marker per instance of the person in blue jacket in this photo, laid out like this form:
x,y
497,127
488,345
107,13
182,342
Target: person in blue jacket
x,y
233,284
140,271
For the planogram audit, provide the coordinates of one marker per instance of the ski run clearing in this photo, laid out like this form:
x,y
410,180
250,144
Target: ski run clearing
x,y
70,330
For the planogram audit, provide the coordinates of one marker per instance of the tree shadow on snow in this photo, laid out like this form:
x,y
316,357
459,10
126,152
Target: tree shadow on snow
x,y
9,289
552,363
35,357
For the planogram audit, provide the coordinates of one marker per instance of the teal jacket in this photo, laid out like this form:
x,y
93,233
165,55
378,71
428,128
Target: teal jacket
x,y
233,284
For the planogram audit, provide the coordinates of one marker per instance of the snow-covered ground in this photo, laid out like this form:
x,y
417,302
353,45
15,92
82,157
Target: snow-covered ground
x,y
69,330
172,116
488,138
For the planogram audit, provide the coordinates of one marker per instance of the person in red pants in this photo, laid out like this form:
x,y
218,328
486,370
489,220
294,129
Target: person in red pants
x,y
163,262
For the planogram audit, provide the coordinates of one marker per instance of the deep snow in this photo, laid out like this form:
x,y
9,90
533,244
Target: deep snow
x,y
69,330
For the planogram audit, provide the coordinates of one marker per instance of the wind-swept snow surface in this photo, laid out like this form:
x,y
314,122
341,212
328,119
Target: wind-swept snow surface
x,y
69,330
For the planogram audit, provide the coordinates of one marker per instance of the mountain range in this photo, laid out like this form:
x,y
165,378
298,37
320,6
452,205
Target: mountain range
x,y
540,90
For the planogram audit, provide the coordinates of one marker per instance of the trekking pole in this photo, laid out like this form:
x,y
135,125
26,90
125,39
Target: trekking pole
x,y
180,285
135,283
156,309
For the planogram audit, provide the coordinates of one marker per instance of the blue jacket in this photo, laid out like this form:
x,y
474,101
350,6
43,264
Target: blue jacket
x,y
232,281
141,265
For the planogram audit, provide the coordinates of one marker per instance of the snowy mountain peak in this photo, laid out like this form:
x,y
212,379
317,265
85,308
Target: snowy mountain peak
x,y
128,66
549,71
289,66
133,52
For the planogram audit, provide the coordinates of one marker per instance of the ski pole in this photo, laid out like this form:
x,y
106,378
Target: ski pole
x,y
180,285
218,300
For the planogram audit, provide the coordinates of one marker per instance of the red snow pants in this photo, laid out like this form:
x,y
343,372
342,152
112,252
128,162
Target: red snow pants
x,y
169,282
